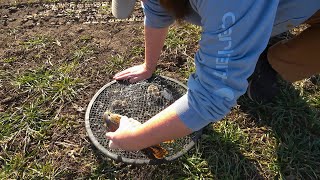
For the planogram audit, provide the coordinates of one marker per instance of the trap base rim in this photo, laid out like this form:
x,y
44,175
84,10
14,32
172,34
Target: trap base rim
x,y
126,160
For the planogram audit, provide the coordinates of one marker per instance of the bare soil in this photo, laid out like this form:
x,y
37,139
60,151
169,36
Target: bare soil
x,y
50,36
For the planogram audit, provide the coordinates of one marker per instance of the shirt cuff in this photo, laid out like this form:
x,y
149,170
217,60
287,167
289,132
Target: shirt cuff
x,y
188,115
155,17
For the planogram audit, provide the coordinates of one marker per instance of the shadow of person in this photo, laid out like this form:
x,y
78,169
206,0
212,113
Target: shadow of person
x,y
216,156
223,151
296,127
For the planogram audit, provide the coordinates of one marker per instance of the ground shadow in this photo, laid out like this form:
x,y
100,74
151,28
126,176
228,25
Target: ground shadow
x,y
214,157
224,157
295,126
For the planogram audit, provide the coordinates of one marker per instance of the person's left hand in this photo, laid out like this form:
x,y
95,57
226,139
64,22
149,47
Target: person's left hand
x,y
123,137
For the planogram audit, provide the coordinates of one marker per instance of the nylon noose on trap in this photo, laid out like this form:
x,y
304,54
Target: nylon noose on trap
x,y
139,101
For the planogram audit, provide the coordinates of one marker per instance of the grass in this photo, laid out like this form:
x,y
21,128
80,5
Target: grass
x,y
37,42
117,62
137,51
105,9
27,129
294,124
20,129
9,60
82,52
50,85
42,133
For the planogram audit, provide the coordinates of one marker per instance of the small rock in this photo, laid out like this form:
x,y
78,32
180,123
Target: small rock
x,y
12,19
62,22
83,11
21,5
40,10
90,17
13,10
29,24
76,18
29,17
5,23
45,18
78,108
60,15
80,30
24,20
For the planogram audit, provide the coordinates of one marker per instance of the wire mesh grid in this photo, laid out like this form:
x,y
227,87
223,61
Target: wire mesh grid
x,y
140,101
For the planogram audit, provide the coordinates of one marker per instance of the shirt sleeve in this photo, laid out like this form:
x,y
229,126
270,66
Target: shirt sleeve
x,y
155,15
234,35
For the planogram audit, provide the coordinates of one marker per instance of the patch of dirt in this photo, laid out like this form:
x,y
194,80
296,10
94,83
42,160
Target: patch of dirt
x,y
22,23
51,36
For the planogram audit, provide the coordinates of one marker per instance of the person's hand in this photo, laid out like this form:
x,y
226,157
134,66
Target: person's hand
x,y
121,138
134,74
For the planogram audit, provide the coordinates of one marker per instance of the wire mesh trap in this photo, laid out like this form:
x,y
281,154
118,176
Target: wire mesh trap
x,y
140,101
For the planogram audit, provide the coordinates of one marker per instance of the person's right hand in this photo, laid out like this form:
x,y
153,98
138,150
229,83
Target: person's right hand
x,y
125,127
134,74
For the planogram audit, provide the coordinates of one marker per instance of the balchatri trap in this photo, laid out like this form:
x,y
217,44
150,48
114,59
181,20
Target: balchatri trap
x,y
140,101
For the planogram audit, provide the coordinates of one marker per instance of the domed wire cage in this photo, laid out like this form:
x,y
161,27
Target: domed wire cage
x,y
139,101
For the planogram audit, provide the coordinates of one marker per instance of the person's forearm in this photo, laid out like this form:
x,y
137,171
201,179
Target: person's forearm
x,y
154,41
163,127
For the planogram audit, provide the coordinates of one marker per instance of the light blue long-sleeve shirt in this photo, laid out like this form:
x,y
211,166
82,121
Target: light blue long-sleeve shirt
x,y
234,33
